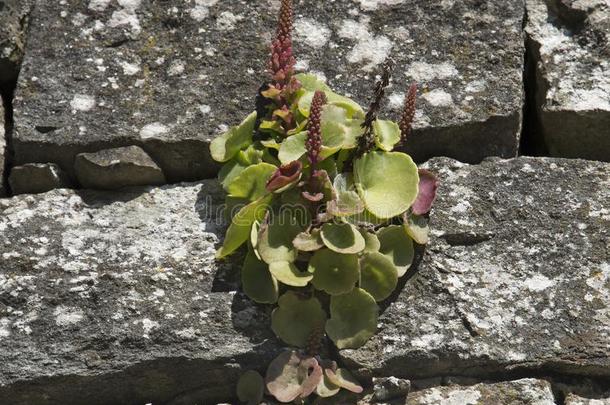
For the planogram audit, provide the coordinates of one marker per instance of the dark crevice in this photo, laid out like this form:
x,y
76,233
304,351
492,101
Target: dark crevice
x,y
7,89
558,394
531,140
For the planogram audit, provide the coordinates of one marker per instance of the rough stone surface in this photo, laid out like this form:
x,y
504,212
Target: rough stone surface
x,y
527,391
516,277
115,298
2,150
169,76
573,399
116,168
387,388
570,44
35,178
13,23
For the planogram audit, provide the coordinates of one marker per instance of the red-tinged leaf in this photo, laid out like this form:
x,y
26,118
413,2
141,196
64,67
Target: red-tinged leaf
x,y
285,175
428,183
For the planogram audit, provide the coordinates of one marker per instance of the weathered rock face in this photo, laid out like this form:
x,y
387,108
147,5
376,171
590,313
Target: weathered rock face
x,y
35,178
519,392
116,298
13,23
570,43
516,278
170,76
115,168
2,150
573,399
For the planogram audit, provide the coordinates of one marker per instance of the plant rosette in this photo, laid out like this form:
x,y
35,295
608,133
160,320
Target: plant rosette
x,y
328,210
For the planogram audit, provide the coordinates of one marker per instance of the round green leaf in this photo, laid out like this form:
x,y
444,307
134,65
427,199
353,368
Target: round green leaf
x,y
295,319
292,148
250,387
387,182
378,275
240,228
229,171
275,238
397,246
371,241
387,134
225,146
417,228
257,282
289,274
353,319
342,238
308,241
346,201
334,272
251,182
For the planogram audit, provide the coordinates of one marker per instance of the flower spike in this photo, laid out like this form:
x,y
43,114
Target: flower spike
x,y
282,61
408,113
314,137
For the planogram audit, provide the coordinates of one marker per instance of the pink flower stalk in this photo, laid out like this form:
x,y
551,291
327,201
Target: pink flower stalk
x,y
282,61
408,113
314,137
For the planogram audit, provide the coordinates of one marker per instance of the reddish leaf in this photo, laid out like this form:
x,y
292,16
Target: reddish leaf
x,y
428,183
285,175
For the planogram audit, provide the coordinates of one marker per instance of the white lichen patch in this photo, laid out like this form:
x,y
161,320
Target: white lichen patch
x,y
423,71
370,5
176,68
467,396
127,16
370,49
129,69
153,130
66,316
99,5
311,32
438,98
82,102
201,9
227,21
538,283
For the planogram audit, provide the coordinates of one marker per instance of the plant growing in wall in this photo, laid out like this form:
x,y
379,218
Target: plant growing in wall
x,y
329,212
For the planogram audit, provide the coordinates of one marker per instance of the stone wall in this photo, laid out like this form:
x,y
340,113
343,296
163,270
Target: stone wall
x,y
111,295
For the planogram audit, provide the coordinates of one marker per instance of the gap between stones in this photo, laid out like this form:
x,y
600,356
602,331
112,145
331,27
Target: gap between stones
x,y
7,90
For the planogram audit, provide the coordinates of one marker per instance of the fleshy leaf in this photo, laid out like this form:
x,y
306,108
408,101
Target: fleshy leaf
x,y
292,148
326,388
311,82
275,238
353,319
428,183
387,134
417,228
342,238
308,241
346,201
239,230
251,182
295,319
289,274
378,276
397,246
291,376
334,272
285,176
387,182
225,146
343,378
371,241
251,387
257,282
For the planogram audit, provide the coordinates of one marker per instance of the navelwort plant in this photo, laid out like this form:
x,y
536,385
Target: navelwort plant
x,y
329,212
